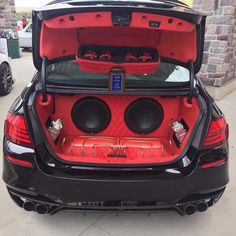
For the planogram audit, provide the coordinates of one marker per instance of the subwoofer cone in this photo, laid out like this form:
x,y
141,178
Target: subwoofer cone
x,y
144,116
91,115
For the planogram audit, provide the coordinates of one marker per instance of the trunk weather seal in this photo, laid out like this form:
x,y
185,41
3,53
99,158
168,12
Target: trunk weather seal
x,y
44,79
191,84
158,92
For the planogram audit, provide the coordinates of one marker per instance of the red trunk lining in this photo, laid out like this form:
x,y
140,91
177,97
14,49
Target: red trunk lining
x,y
104,19
175,38
157,147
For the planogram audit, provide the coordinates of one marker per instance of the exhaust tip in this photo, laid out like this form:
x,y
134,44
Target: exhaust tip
x,y
202,206
29,206
189,209
42,209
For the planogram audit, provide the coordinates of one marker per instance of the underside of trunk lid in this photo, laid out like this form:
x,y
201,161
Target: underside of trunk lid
x,y
174,31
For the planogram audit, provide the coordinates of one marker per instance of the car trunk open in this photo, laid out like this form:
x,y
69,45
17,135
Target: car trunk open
x,y
117,144
85,33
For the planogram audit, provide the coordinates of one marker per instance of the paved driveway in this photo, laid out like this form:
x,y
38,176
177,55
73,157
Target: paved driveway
x,y
219,220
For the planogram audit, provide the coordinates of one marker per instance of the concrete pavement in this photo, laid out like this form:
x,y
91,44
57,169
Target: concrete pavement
x,y
218,220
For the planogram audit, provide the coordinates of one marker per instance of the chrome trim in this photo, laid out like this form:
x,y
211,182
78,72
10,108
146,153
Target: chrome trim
x,y
17,149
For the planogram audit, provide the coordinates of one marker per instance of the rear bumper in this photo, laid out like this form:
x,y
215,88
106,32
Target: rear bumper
x,y
109,193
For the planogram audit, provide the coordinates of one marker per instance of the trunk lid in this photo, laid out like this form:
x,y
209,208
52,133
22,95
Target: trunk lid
x,y
171,28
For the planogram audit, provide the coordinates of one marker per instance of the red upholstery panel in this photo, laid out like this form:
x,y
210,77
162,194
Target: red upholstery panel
x,y
117,105
166,23
55,43
91,19
104,19
44,110
157,147
113,150
106,67
121,36
61,36
178,46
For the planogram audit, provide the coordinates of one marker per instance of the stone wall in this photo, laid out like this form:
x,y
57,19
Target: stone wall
x,y
8,14
219,63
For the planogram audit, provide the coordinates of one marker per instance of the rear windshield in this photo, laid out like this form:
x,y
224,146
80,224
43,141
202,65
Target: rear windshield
x,y
69,73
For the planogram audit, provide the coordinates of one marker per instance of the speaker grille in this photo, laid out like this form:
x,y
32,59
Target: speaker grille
x,y
144,116
91,115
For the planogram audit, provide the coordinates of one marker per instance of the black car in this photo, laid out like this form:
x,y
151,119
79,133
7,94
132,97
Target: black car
x,y
115,119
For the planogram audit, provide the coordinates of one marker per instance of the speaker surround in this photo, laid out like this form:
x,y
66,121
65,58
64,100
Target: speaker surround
x,y
144,116
91,115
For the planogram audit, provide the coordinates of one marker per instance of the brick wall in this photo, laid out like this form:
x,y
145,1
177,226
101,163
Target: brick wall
x,y
219,63
7,14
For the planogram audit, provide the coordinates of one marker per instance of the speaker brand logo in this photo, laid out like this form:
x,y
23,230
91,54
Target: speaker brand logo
x,y
117,82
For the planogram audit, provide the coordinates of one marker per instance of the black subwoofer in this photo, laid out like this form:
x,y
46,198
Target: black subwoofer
x,y
91,115
144,116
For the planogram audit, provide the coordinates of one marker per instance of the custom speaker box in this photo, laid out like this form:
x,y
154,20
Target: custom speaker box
x,y
91,115
144,116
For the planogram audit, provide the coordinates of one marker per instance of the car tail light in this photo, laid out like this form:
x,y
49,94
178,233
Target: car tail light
x,y
15,130
213,164
218,134
19,161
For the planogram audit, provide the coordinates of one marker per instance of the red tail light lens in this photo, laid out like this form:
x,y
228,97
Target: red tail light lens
x,y
212,164
19,161
218,134
16,131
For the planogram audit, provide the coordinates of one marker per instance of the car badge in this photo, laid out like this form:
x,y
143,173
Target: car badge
x,y
117,81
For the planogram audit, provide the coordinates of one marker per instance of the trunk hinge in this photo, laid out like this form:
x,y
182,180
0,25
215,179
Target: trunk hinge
x,y
44,78
191,80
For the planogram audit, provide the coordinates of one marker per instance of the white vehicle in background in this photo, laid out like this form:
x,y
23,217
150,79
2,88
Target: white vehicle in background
x,y
6,79
25,37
